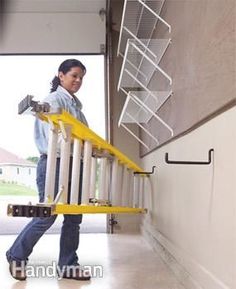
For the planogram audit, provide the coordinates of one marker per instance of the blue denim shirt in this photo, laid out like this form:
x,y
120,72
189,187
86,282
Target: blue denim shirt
x,y
57,99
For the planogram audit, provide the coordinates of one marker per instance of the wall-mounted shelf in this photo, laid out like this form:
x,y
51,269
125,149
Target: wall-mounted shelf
x,y
140,61
139,20
141,57
139,108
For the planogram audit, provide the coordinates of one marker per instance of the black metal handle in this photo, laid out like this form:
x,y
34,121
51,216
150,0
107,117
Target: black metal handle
x,y
145,173
190,162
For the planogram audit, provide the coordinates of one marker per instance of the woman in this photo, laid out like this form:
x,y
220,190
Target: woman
x,y
64,86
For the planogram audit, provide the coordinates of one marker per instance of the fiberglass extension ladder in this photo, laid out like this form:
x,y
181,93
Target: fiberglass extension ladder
x,y
111,182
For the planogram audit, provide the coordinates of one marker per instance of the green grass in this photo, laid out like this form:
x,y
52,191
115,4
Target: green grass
x,y
16,190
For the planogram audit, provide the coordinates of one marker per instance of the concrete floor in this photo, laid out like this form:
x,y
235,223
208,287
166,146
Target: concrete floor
x,y
126,261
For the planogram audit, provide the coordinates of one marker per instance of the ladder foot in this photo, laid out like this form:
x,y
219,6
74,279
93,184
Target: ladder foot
x,y
29,211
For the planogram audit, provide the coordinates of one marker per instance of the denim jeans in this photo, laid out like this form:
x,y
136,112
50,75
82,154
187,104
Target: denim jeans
x,y
29,236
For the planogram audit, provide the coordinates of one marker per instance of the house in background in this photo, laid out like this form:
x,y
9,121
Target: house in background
x,y
14,169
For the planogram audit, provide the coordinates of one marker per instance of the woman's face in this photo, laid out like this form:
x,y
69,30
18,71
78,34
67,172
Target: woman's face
x,y
72,80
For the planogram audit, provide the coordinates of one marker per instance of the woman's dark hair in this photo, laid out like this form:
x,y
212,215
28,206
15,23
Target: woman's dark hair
x,y
64,68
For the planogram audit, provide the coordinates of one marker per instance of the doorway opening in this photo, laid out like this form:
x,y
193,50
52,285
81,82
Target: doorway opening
x,y
32,74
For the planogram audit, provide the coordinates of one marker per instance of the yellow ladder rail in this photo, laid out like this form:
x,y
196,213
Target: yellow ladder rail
x,y
83,209
47,210
81,131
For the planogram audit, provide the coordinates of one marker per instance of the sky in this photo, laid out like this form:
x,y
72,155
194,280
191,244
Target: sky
x,y
23,75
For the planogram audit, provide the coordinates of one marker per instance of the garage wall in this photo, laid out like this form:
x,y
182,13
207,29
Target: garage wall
x,y
201,60
192,220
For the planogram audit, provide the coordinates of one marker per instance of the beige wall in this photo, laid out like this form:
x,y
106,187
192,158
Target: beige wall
x,y
120,137
191,218
201,60
192,208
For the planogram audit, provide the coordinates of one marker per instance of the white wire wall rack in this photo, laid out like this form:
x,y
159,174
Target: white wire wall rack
x,y
139,20
139,64
139,108
141,57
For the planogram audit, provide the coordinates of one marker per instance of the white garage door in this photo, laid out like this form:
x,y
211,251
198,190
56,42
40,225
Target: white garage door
x,y
53,26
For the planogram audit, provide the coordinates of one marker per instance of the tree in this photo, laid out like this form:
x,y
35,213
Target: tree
x,y
33,159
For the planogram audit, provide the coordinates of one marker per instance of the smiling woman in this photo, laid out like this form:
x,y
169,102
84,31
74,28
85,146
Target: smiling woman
x,y
71,79
22,75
